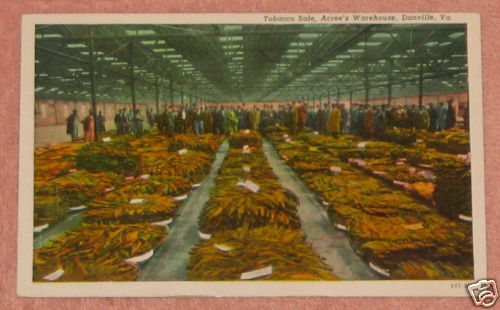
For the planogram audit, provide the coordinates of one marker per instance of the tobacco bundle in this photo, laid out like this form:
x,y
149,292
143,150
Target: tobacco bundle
x,y
116,208
283,249
233,206
206,143
115,156
53,198
245,137
453,192
96,252
455,141
401,136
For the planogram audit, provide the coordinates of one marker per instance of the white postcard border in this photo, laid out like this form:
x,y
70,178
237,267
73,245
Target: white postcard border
x,y
25,285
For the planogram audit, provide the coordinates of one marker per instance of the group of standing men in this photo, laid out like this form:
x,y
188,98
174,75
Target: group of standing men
x,y
129,122
89,123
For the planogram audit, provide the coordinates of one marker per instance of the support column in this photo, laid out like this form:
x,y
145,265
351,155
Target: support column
x,y
132,75
157,97
92,80
328,96
182,97
420,86
171,91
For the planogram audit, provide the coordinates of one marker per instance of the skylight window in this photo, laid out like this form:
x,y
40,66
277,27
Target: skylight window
x,y
369,43
383,35
456,35
76,45
230,38
153,42
142,32
309,36
51,35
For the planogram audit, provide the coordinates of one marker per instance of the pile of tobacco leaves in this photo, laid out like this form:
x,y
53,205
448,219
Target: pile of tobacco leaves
x,y
252,230
125,185
245,137
388,228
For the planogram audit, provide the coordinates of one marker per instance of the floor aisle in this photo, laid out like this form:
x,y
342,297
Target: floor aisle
x,y
170,260
68,223
330,244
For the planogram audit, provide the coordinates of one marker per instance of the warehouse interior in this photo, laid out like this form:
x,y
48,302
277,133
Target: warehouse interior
x,y
251,152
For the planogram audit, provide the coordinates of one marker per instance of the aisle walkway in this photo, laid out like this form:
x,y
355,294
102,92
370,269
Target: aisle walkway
x,y
170,260
67,223
330,244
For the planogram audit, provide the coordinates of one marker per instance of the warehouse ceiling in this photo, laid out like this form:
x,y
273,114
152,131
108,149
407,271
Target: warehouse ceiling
x,y
248,63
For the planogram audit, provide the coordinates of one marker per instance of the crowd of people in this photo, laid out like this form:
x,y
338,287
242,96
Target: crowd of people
x,y
328,118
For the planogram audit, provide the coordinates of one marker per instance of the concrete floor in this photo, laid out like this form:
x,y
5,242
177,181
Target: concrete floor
x,y
330,244
170,260
67,223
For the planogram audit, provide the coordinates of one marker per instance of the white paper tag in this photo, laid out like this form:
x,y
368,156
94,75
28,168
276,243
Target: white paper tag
x,y
79,208
163,223
246,131
72,170
405,185
288,140
223,247
465,218
145,176
379,173
247,168
362,145
204,236
425,166
249,185
196,185
129,178
285,136
108,190
54,276
340,227
182,152
137,201
335,169
379,270
316,133
107,139
139,259
180,198
427,175
38,229
257,273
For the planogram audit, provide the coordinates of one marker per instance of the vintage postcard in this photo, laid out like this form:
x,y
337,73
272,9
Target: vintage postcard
x,y
251,155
